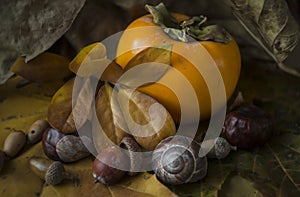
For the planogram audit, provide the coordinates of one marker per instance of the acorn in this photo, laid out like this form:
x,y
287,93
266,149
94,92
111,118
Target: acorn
x,y
70,148
133,149
103,172
56,173
14,143
221,148
52,172
37,130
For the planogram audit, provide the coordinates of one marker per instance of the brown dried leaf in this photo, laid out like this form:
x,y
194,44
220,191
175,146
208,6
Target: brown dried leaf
x,y
147,120
158,59
271,25
47,67
61,113
110,118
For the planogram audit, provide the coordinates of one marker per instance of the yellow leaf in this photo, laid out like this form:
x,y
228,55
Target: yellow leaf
x,y
92,60
47,67
154,62
61,113
91,52
110,118
147,120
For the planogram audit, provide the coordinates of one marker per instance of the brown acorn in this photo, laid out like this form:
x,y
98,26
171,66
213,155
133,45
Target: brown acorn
x,y
36,131
52,172
103,172
220,148
14,142
70,148
56,173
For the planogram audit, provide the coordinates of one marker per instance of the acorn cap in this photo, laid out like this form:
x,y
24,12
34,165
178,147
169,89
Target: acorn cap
x,y
221,149
55,173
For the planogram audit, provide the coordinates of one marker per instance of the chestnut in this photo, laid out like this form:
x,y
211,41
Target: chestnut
x,y
50,138
248,127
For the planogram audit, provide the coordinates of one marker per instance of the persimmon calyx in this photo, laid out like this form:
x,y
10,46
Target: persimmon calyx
x,y
191,29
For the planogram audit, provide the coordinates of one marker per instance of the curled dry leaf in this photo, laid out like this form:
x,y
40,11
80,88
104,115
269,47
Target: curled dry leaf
x,y
47,67
61,112
271,25
92,60
147,120
110,118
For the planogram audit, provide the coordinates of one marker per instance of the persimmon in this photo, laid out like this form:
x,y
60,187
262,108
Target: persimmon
x,y
220,45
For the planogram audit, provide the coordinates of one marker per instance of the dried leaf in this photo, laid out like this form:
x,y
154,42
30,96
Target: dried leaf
x,y
92,61
61,111
31,27
147,120
95,51
271,25
110,118
158,60
47,67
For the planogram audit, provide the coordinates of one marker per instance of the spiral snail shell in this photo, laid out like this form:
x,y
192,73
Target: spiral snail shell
x,y
176,161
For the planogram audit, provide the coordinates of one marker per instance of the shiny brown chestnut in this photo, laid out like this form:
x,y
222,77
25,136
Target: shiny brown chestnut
x,y
50,138
248,127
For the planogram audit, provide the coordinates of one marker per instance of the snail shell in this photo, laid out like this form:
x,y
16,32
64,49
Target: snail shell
x,y
14,142
70,148
176,161
36,131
